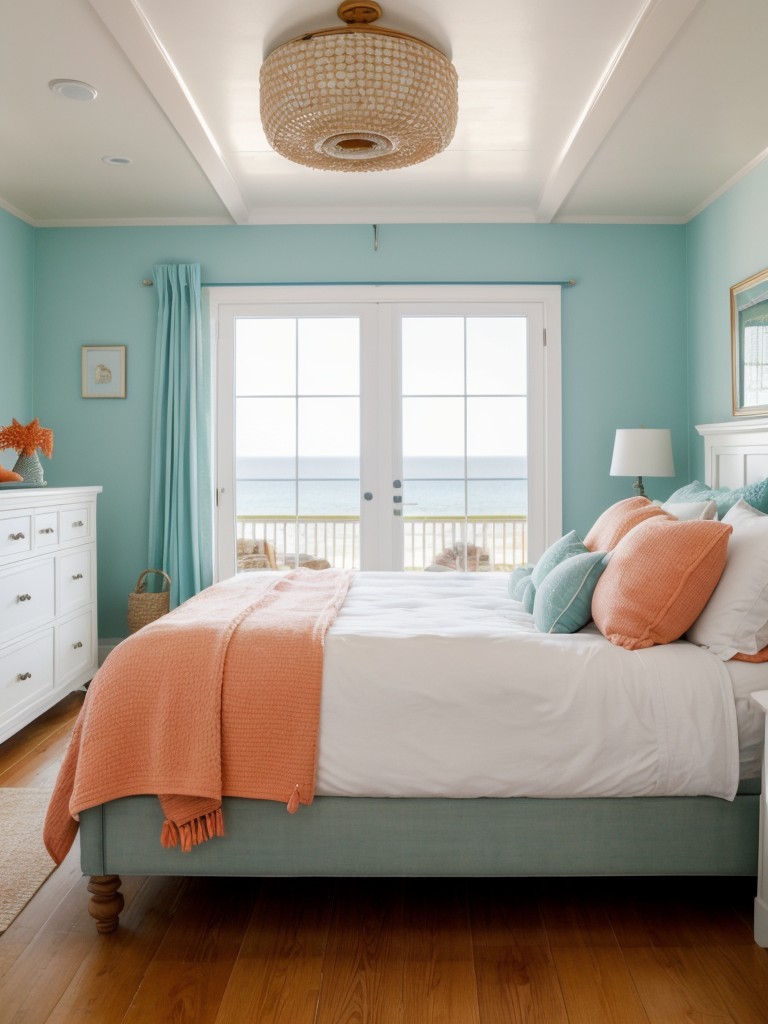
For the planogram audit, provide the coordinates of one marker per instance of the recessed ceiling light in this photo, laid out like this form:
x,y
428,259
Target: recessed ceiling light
x,y
71,89
119,161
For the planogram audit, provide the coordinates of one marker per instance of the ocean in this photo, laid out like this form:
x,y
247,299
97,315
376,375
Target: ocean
x,y
432,487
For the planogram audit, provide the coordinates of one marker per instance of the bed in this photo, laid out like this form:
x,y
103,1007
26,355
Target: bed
x,y
437,815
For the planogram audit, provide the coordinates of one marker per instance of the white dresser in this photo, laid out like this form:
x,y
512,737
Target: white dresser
x,y
48,627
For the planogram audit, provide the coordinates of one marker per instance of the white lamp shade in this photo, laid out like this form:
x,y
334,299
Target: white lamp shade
x,y
643,452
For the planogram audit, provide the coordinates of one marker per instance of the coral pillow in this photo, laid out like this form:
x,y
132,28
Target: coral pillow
x,y
618,520
757,659
659,578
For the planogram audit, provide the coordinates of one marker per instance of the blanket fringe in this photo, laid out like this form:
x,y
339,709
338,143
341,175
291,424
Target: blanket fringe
x,y
170,835
293,803
192,833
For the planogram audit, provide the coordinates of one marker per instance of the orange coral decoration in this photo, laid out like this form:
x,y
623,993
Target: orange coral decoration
x,y
27,439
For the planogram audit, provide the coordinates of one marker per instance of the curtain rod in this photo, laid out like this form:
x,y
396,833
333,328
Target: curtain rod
x,y
148,282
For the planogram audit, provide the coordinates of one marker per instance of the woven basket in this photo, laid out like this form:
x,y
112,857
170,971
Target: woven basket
x,y
144,607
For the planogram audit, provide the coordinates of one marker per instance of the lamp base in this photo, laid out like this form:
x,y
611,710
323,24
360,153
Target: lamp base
x,y
638,486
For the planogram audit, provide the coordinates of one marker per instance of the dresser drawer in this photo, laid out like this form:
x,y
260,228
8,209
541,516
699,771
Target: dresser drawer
x,y
48,615
46,530
15,534
74,647
26,671
26,597
75,523
76,585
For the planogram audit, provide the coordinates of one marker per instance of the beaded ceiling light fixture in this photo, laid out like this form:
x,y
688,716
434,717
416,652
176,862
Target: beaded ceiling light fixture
x,y
358,97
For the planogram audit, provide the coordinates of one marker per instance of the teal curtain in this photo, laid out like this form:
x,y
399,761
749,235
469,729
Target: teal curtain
x,y
181,485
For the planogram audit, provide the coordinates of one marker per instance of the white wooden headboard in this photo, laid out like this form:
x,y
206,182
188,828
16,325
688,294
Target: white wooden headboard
x,y
735,453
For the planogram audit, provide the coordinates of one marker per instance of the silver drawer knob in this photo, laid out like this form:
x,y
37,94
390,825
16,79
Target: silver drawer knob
x,y
77,576
77,645
47,529
24,597
78,524
17,536
24,675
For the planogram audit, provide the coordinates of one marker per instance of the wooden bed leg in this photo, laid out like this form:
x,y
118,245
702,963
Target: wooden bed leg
x,y
106,902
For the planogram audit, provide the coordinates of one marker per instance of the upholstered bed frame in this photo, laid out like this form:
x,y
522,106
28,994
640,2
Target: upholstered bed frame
x,y
420,837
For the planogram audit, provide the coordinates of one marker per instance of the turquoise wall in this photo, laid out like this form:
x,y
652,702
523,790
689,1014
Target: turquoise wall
x,y
624,341
726,243
17,248
646,333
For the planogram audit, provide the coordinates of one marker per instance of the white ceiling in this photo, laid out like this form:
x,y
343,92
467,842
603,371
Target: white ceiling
x,y
600,110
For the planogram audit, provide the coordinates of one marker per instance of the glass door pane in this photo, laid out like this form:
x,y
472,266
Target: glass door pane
x,y
464,442
297,442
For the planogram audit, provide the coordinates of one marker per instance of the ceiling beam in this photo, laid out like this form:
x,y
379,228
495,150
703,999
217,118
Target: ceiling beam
x,y
134,34
655,27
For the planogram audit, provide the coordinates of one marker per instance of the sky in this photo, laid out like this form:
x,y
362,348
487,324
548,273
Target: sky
x,y
463,385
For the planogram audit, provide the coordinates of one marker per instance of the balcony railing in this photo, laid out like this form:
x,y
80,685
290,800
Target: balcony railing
x,y
476,543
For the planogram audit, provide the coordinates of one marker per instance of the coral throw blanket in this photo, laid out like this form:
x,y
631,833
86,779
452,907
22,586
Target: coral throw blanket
x,y
221,697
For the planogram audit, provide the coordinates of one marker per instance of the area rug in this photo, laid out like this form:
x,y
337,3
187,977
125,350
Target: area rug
x,y
24,860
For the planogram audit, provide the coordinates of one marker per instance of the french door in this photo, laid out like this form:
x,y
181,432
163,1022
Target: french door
x,y
386,428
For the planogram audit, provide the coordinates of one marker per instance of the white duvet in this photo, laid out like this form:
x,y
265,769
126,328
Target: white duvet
x,y
437,684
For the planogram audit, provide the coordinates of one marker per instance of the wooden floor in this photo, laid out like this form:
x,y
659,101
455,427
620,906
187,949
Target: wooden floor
x,y
390,952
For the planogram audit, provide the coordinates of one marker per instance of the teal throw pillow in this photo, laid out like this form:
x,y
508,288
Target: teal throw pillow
x,y
755,494
569,545
517,580
528,596
696,491
564,600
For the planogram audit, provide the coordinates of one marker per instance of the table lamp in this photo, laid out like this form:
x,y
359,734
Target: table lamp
x,y
642,452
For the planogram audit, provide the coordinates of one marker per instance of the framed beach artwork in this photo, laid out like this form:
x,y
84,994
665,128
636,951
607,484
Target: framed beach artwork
x,y
103,371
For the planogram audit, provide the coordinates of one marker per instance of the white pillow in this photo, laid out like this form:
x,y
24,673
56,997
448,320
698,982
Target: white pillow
x,y
735,620
690,509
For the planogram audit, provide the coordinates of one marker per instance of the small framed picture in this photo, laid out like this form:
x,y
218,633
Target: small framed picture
x,y
103,371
